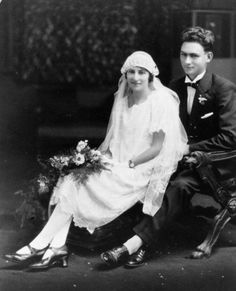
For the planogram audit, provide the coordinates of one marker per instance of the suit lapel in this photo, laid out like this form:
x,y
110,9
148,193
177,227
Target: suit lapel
x,y
203,86
183,103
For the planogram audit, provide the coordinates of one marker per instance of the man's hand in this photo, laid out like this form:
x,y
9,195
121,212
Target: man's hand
x,y
190,160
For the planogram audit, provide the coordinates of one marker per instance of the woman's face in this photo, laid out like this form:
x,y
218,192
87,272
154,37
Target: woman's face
x,y
138,78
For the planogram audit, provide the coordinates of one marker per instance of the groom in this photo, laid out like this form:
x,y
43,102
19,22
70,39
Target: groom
x,y
208,113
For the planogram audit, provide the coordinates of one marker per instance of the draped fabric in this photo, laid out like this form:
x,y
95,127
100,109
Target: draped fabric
x,y
130,132
165,117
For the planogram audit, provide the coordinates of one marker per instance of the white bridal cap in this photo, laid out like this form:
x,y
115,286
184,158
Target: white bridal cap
x,y
140,59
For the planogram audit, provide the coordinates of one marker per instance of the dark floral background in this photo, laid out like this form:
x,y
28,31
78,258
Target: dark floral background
x,y
85,42
76,40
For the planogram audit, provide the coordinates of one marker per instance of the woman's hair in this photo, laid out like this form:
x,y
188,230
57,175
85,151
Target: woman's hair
x,y
200,35
150,77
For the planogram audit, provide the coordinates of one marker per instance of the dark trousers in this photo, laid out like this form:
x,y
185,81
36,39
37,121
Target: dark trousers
x,y
179,192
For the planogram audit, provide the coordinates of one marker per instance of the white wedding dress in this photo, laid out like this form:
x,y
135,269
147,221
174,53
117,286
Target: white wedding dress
x,y
107,195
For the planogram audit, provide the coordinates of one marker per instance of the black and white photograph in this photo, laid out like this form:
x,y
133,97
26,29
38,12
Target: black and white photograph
x,y
117,145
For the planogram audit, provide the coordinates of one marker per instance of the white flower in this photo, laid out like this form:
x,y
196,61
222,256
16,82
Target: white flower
x,y
59,161
43,188
81,145
202,100
65,161
79,159
42,184
96,155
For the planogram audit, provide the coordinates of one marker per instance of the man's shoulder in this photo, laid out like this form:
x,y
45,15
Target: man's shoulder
x,y
217,82
220,87
222,83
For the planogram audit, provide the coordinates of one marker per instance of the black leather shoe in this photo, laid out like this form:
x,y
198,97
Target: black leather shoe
x,y
137,259
59,256
18,258
115,255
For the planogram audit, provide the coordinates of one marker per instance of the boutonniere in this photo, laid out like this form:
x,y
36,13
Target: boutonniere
x,y
202,99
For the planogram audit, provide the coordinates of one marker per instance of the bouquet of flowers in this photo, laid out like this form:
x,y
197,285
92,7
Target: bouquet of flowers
x,y
80,163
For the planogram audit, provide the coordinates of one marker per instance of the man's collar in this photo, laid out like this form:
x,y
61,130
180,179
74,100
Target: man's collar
x,y
199,77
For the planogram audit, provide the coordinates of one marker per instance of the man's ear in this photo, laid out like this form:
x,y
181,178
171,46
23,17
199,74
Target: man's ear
x,y
209,56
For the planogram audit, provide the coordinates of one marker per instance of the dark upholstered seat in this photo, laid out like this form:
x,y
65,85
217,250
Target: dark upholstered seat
x,y
217,170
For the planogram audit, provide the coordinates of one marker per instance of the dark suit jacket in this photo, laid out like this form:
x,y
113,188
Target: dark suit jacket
x,y
211,125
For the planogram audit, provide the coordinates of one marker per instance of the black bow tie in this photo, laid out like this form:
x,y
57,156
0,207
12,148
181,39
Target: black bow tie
x,y
193,85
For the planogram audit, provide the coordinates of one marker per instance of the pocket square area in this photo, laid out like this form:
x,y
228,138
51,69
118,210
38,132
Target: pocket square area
x,y
207,115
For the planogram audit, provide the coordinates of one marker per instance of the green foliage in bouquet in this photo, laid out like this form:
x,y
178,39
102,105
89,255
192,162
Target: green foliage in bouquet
x,y
80,163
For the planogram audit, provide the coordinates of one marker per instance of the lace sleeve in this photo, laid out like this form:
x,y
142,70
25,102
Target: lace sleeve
x,y
165,117
163,108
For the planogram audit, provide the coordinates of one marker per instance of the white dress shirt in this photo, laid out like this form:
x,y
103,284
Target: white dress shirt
x,y
191,91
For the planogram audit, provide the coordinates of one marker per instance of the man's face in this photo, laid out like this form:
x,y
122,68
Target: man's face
x,y
194,59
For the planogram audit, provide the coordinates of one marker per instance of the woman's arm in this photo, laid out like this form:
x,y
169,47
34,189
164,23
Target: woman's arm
x,y
153,151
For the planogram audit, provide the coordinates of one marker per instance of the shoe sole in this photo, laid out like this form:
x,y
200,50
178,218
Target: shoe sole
x,y
20,261
133,266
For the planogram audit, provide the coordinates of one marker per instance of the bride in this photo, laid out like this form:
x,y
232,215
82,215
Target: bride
x,y
144,142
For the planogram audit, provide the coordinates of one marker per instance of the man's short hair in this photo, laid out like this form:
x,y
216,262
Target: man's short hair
x,y
200,35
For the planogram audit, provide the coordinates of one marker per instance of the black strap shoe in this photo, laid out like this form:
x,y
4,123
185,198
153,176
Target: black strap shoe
x,y
115,255
18,258
59,256
137,259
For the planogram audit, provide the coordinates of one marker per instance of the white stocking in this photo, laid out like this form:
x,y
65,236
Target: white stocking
x,y
56,228
60,238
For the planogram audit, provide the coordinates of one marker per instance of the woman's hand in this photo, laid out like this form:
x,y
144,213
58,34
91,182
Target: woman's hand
x,y
153,151
107,162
